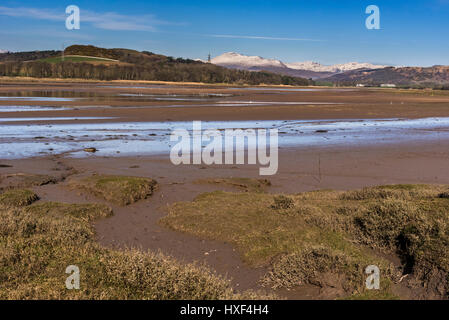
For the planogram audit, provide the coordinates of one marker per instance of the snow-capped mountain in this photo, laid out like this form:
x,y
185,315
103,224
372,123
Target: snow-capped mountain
x,y
3,51
233,58
306,69
336,68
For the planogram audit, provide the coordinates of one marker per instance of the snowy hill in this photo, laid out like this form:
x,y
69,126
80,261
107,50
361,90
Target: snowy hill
x,y
237,59
336,68
307,69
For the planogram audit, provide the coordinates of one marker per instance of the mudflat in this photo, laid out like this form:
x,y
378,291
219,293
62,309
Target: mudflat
x,y
144,102
302,167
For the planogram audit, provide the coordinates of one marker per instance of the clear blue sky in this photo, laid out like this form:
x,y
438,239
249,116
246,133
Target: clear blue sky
x,y
412,32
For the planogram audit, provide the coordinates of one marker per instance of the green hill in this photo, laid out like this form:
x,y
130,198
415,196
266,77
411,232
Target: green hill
x,y
91,51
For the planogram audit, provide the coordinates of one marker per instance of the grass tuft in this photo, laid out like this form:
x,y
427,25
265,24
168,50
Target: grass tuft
x,y
401,191
324,267
121,190
17,198
282,202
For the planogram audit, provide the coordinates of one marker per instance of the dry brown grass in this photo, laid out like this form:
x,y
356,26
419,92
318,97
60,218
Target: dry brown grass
x,y
282,202
402,192
17,198
38,242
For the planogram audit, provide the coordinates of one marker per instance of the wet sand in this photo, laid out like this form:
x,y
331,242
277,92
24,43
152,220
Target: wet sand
x,y
300,169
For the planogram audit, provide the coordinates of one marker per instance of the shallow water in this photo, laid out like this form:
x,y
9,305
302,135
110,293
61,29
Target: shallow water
x,y
143,138
30,108
121,99
47,99
167,86
216,103
70,96
52,119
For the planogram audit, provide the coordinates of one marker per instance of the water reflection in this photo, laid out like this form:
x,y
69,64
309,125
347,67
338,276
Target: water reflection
x,y
70,96
30,108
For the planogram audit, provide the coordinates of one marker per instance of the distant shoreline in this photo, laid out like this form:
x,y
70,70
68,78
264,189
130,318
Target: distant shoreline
x,y
77,80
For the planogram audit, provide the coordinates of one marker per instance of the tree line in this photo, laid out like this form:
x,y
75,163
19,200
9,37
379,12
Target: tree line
x,y
27,55
186,72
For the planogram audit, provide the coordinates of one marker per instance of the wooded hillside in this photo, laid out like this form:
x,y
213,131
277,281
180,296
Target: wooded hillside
x,y
134,65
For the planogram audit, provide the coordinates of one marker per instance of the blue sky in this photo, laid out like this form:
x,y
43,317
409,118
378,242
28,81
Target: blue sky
x,y
329,32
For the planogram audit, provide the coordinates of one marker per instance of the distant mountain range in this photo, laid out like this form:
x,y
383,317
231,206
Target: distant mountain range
x,y
306,69
351,73
88,62
404,76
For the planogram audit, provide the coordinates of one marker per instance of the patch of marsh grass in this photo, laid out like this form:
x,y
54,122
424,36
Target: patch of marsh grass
x,y
282,202
17,198
401,191
325,266
120,190
331,231
288,242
